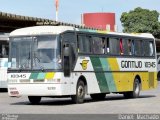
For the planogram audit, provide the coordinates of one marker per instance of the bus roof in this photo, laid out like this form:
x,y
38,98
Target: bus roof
x,y
39,30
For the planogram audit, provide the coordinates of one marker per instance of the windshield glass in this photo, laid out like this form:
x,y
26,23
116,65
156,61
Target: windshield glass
x,y
20,53
46,52
39,52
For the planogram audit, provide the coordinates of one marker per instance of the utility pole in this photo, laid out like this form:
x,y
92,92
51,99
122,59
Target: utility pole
x,y
57,5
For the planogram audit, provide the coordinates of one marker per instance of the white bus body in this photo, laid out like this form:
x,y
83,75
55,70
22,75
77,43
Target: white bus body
x,y
46,67
4,39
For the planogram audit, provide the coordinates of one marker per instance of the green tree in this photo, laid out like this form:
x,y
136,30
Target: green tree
x,y
141,21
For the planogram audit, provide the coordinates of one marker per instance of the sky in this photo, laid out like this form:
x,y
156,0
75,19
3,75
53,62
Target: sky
x,y
70,10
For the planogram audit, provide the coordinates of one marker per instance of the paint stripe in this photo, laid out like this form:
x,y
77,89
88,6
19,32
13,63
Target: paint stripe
x,y
105,65
41,76
113,64
50,75
101,79
111,83
33,76
108,76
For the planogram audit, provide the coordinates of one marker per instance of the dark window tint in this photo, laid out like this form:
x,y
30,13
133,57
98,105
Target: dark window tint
x,y
71,39
146,48
151,48
4,49
84,45
125,47
138,48
114,46
129,46
107,46
132,47
121,46
98,45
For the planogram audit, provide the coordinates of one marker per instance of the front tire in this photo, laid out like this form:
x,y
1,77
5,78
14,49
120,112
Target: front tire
x,y
34,99
136,90
80,93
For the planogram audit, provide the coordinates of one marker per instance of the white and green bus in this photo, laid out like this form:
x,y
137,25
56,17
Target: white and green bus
x,y
4,50
64,61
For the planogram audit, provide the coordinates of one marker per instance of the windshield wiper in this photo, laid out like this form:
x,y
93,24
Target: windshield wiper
x,y
26,63
37,60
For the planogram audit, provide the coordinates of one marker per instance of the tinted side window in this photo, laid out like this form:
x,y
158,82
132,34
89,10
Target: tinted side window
x,y
107,46
4,49
146,48
114,46
129,46
125,47
151,48
71,39
97,45
138,47
84,44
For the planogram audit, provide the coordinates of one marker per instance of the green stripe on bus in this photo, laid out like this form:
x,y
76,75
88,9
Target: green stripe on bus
x,y
105,65
108,75
100,76
110,81
33,76
41,76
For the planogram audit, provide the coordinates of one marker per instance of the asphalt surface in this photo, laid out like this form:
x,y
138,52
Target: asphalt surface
x,y
147,103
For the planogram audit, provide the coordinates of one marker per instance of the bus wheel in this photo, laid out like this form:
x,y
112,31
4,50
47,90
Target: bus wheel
x,y
80,93
136,90
34,99
99,96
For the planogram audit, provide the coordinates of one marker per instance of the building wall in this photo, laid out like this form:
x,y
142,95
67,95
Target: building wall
x,y
99,20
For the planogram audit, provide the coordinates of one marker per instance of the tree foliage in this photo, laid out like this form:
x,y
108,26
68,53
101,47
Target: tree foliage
x,y
141,21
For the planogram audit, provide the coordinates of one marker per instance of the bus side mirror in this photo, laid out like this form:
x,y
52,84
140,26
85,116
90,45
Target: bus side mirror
x,y
66,60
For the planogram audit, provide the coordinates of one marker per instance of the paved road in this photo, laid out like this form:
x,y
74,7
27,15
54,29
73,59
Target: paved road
x,y
149,102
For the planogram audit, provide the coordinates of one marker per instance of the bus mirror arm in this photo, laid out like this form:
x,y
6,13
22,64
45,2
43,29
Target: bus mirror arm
x,y
66,60
66,50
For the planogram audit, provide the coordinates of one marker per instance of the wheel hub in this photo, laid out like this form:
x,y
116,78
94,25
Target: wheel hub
x,y
137,88
80,91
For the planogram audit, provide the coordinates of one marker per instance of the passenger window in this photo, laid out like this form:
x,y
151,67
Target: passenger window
x,y
71,38
132,47
84,45
151,49
146,48
121,46
104,45
129,45
114,46
98,45
138,48
125,47
107,46
4,49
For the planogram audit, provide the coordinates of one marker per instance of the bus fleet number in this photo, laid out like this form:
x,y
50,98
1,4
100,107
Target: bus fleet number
x,y
18,76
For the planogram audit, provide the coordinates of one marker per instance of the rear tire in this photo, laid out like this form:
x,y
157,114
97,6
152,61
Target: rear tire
x,y
80,93
34,99
99,96
136,90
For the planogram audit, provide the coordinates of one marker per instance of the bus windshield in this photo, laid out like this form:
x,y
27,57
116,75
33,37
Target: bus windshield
x,y
38,52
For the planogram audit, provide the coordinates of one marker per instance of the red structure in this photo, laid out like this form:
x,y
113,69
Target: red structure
x,y
99,20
